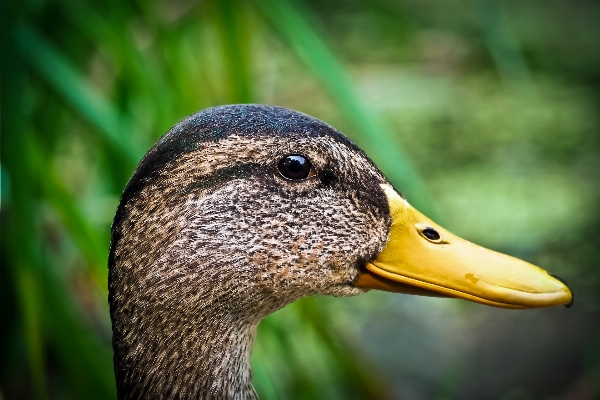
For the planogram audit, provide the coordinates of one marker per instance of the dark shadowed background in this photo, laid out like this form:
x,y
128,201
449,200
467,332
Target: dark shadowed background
x,y
484,113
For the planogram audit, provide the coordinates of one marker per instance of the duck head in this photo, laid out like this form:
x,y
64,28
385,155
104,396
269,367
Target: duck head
x,y
240,210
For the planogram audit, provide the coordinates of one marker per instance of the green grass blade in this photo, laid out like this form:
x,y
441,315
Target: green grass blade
x,y
18,226
65,79
503,44
31,306
87,239
293,24
233,30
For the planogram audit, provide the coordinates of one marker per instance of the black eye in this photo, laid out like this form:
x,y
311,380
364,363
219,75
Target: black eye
x,y
431,234
295,167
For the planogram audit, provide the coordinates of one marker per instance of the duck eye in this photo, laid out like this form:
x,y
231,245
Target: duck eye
x,y
295,167
431,234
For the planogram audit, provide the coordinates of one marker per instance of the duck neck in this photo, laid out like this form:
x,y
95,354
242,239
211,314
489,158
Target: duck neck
x,y
204,359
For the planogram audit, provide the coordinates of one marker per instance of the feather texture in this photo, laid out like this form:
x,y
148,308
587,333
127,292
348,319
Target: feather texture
x,y
209,239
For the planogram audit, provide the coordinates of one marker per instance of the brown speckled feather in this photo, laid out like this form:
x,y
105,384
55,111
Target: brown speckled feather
x,y
209,238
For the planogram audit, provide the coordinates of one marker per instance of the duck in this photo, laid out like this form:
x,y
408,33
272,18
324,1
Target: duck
x,y
240,210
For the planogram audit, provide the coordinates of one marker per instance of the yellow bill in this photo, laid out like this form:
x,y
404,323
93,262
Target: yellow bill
x,y
423,258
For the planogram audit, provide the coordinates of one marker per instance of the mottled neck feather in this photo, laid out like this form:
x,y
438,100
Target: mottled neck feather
x,y
206,359
184,304
183,327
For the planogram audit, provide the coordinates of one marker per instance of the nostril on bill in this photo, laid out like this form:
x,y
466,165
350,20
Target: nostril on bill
x,y
431,234
565,283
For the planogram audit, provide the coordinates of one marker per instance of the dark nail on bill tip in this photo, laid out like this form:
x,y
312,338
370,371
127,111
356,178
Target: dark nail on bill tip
x,y
565,283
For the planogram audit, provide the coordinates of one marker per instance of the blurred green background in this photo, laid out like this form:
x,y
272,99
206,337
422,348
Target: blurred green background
x,y
484,113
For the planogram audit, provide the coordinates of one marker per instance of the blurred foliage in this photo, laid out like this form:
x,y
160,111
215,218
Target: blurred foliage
x,y
495,102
